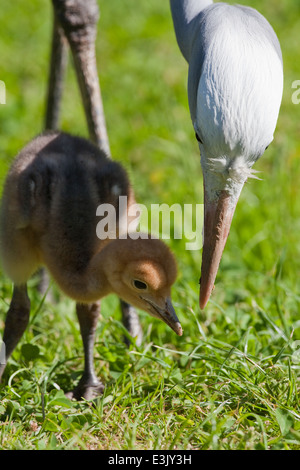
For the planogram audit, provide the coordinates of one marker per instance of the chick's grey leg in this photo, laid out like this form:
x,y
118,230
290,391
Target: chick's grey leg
x,y
15,324
89,386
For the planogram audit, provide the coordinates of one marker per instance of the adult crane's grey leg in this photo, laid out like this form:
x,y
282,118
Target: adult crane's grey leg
x,y
78,19
58,63
131,322
16,322
89,386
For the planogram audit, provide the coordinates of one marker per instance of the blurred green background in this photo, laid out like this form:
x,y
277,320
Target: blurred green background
x,y
143,80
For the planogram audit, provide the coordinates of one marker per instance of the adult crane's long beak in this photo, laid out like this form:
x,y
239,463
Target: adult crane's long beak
x,y
217,220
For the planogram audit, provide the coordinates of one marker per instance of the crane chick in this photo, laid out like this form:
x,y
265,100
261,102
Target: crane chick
x,y
48,218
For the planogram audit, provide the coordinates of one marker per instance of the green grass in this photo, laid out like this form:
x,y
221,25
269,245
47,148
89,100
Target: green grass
x,y
232,380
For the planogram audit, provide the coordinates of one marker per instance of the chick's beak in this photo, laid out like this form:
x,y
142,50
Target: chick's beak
x,y
165,313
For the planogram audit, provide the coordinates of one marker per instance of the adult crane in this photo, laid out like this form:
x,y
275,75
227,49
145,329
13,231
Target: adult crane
x,y
235,84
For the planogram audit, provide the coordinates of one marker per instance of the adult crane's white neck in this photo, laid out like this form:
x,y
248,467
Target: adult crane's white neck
x,y
235,89
238,101
239,90
183,13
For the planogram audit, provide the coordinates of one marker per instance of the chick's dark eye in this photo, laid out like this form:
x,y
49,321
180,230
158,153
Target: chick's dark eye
x,y
139,284
198,138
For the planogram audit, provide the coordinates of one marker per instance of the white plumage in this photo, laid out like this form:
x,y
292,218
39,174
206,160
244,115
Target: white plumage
x,y
235,86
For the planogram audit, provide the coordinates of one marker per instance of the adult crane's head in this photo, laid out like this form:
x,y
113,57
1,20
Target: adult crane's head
x,y
235,88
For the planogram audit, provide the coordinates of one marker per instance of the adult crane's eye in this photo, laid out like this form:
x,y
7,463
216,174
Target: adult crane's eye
x,y
139,284
198,138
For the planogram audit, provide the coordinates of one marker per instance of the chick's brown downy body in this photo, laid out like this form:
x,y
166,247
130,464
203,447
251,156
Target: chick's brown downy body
x,y
48,217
